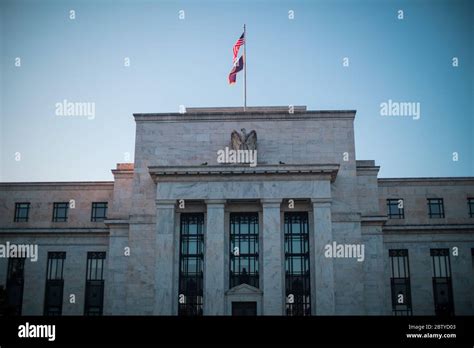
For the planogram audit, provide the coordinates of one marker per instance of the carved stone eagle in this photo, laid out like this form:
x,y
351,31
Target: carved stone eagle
x,y
243,141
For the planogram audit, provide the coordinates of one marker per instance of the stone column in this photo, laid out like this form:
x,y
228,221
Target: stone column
x,y
164,295
272,258
116,268
214,260
324,270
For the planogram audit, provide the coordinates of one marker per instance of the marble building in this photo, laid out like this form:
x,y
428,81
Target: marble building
x,y
178,232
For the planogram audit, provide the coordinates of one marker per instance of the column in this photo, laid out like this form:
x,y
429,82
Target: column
x,y
214,260
324,270
116,278
164,296
272,258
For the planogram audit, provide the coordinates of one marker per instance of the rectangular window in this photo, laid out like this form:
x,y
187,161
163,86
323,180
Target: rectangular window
x,y
442,283
191,259
297,274
400,282
395,209
244,234
94,299
436,207
53,302
99,211
470,204
21,212
472,258
14,288
60,212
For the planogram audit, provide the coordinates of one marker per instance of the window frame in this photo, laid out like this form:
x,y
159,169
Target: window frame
x,y
442,279
18,281
470,204
252,257
55,261
95,279
18,208
193,297
301,305
56,207
401,211
400,276
440,202
95,208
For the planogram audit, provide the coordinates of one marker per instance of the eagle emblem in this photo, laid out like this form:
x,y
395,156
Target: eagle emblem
x,y
243,141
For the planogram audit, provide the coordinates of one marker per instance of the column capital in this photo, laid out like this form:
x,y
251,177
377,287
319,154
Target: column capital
x,y
271,202
321,202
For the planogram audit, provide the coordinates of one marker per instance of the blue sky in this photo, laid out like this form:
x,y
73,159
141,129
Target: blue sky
x,y
186,62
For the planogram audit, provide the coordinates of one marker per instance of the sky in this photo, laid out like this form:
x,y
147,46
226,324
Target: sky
x,y
177,61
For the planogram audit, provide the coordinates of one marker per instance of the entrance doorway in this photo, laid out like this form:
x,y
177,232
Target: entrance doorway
x,y
244,308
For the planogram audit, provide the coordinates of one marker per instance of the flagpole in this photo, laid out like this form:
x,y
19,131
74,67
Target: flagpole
x,y
245,69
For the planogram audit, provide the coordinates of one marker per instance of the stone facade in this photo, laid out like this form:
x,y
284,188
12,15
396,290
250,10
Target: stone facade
x,y
307,157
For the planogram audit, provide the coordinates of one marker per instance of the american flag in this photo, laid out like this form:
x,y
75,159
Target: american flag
x,y
237,45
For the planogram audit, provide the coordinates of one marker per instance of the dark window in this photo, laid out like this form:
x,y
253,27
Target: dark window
x,y
244,233
395,209
442,284
470,203
60,212
472,254
94,299
400,282
244,308
53,303
191,258
297,274
14,290
99,211
21,212
436,207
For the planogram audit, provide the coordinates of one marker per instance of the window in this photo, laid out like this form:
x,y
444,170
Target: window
x,y
14,288
297,274
442,284
94,299
21,212
60,212
395,209
53,302
400,282
436,207
99,211
191,259
470,203
472,258
244,232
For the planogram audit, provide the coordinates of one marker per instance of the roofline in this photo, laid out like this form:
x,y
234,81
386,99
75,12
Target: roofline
x,y
224,114
57,183
427,179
